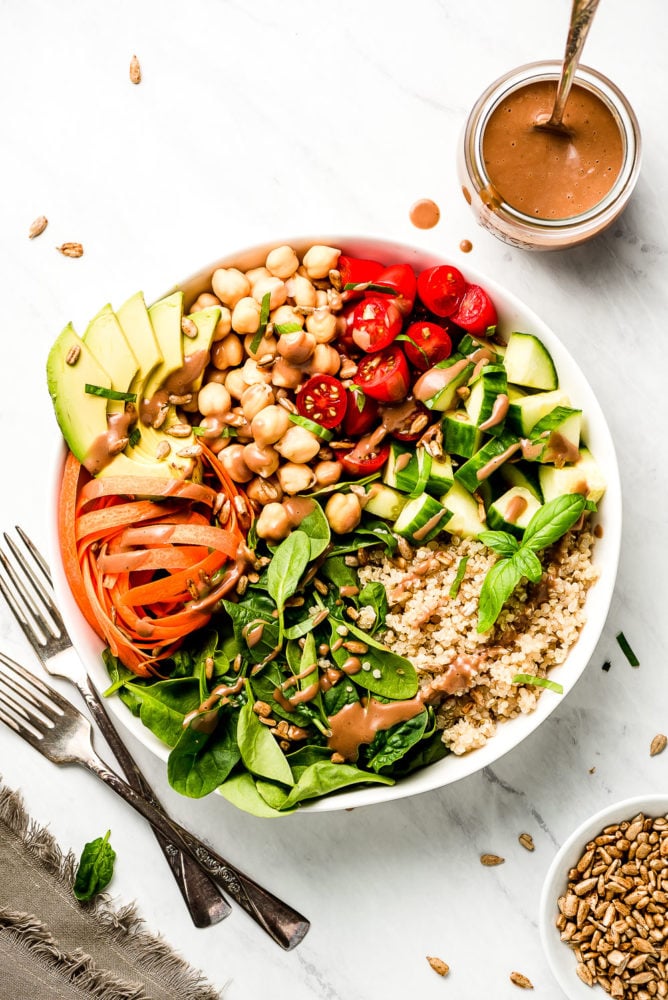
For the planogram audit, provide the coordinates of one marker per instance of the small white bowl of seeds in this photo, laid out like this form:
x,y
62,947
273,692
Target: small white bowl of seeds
x,y
604,905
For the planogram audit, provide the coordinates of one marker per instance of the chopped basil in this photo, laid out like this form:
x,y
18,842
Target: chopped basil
x,y
100,390
404,336
134,437
626,650
281,328
542,682
369,286
459,576
312,426
264,319
227,432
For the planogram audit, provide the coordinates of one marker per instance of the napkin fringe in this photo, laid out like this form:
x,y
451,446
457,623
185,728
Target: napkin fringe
x,y
121,925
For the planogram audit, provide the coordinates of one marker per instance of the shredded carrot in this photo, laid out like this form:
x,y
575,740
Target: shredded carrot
x,y
139,554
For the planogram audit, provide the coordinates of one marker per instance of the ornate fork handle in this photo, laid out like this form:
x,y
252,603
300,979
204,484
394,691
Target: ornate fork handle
x,y
285,925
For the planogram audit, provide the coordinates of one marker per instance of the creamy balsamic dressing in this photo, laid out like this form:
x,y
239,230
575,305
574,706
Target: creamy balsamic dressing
x,y
114,440
359,722
499,411
437,379
425,213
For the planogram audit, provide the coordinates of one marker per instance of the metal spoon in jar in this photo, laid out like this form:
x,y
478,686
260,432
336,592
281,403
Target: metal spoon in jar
x,y
582,14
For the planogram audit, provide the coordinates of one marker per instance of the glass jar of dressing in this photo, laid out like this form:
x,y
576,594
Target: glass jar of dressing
x,y
540,190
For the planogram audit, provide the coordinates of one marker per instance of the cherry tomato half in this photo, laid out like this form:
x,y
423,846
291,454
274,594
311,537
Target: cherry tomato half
x,y
441,289
361,461
376,322
426,345
476,311
357,271
400,419
400,280
361,413
323,399
384,376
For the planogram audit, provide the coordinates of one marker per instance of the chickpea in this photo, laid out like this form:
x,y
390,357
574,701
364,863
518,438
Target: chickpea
x,y
262,460
211,427
253,373
213,398
319,261
267,345
282,262
327,473
273,523
301,291
270,424
227,353
234,463
241,425
255,274
246,315
223,326
298,445
218,444
296,347
235,383
230,285
343,512
278,293
286,314
264,491
285,374
322,324
203,301
295,478
255,398
321,300
324,361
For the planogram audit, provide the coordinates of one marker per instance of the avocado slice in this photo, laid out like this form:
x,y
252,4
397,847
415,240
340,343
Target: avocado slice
x,y
136,325
82,417
108,343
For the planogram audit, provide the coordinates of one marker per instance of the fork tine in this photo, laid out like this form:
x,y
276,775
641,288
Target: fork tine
x,y
46,697
35,553
39,588
23,603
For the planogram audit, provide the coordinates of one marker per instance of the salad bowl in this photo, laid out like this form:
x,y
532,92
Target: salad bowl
x,y
513,315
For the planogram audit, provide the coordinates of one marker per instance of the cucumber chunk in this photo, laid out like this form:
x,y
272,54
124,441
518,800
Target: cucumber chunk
x,y
526,409
407,470
529,363
385,502
467,519
486,460
441,475
584,476
513,511
445,397
461,436
421,519
469,345
556,437
521,474
481,405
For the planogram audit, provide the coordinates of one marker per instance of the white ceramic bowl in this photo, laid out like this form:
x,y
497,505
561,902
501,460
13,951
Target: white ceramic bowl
x,y
513,315
561,958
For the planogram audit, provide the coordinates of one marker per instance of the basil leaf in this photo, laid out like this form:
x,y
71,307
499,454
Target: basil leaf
x,y
501,542
96,867
259,750
528,564
553,520
497,587
281,328
287,564
538,682
459,576
100,390
264,319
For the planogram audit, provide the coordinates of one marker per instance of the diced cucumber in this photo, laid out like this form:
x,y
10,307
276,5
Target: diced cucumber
x,y
469,345
481,404
460,434
441,475
529,363
385,502
513,511
556,437
407,470
421,519
526,409
447,382
486,460
521,474
467,519
584,476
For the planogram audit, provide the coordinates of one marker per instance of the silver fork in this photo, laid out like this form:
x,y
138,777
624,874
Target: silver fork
x,y
29,597
52,725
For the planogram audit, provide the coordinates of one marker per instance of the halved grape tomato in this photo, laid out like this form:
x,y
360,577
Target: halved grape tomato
x,y
322,399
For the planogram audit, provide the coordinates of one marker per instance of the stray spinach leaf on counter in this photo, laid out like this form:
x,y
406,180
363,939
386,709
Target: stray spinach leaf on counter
x,y
96,866
519,559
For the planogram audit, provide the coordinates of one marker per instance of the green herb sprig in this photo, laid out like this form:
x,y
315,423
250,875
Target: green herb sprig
x,y
262,328
519,559
101,390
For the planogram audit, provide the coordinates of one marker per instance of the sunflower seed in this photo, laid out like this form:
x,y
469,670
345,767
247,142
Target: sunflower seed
x,y
71,249
135,70
521,980
490,860
438,965
526,840
658,744
38,227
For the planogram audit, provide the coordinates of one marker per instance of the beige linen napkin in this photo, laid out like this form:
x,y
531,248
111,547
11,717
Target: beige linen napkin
x,y
53,946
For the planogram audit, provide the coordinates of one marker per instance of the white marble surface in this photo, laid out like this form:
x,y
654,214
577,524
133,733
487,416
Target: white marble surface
x,y
257,120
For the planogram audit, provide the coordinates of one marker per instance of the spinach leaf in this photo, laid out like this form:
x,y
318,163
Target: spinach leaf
x,y
323,777
497,587
316,526
264,684
96,867
244,615
343,693
287,565
259,750
301,628
335,570
427,751
274,795
300,759
119,676
240,789
387,674
390,745
374,595
369,533
344,487
202,760
553,520
501,542
163,705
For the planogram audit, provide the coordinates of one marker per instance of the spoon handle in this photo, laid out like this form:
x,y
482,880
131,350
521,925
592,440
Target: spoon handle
x,y
582,14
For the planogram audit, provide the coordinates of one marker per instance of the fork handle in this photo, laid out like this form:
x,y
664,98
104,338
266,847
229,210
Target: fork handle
x,y
284,924
204,900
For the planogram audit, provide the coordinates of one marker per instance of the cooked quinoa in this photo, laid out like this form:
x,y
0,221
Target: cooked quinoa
x,y
535,631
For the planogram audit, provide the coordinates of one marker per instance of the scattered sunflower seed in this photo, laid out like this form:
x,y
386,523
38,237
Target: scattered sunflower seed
x,y
520,980
490,860
135,70
38,227
438,965
658,744
526,840
70,249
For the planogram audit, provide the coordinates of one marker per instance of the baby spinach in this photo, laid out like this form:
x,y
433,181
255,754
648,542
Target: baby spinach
x,y
254,610
374,595
95,869
285,571
264,684
240,789
390,745
316,526
163,705
202,760
322,777
387,674
259,750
